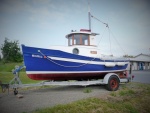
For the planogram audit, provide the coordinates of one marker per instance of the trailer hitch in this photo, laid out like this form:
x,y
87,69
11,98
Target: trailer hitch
x,y
16,82
4,87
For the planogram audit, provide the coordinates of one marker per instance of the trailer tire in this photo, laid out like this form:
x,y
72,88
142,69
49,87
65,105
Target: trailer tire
x,y
113,83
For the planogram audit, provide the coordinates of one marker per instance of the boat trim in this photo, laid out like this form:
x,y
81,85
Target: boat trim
x,y
58,72
86,61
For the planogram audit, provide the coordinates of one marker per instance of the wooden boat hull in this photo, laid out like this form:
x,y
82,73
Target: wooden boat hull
x,y
48,64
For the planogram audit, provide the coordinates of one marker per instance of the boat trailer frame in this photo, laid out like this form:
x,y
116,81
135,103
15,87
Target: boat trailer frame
x,y
16,83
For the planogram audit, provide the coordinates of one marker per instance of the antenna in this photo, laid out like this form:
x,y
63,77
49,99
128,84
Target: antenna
x,y
89,16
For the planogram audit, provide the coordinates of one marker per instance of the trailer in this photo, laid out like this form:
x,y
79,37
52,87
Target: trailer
x,y
111,80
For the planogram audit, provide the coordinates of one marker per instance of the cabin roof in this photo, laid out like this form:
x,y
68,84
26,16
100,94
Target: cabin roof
x,y
82,32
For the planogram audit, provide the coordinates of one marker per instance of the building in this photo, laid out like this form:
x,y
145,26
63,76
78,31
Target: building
x,y
140,62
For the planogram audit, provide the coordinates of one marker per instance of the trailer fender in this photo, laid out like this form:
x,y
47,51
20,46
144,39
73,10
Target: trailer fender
x,y
107,76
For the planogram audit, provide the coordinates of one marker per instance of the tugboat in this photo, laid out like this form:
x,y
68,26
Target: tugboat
x,y
80,60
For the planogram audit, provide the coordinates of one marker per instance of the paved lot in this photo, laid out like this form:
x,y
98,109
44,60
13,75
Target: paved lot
x,y
35,99
141,76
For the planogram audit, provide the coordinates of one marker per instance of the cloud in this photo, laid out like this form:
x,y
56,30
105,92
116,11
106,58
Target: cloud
x,y
43,10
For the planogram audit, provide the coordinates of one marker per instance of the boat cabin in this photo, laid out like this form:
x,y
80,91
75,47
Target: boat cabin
x,y
82,38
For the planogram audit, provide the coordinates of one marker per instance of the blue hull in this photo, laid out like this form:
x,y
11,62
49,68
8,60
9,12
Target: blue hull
x,y
47,64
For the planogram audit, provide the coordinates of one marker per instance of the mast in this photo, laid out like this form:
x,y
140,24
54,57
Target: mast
x,y
89,16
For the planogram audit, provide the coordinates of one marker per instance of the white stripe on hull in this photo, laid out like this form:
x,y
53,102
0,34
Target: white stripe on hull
x,y
83,61
58,72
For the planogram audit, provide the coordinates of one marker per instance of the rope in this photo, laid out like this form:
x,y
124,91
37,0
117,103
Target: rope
x,y
101,37
64,65
100,21
110,42
117,41
109,34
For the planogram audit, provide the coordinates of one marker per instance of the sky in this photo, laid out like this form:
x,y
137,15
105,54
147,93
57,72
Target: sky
x,y
45,23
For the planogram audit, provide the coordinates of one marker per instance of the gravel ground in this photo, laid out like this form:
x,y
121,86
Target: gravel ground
x,y
48,97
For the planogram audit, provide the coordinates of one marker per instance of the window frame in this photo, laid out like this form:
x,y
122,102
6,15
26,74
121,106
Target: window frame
x,y
72,36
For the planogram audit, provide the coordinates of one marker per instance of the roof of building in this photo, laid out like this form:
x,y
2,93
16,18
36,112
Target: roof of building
x,y
142,55
141,58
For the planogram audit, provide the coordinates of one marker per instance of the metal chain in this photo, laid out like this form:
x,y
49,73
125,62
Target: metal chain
x,y
64,65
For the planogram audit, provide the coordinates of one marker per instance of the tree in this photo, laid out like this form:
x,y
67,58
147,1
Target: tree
x,y
0,58
11,51
128,56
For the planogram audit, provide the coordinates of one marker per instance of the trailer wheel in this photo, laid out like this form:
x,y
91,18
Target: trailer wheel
x,y
113,83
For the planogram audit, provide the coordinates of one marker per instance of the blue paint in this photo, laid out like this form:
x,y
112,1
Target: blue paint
x,y
34,61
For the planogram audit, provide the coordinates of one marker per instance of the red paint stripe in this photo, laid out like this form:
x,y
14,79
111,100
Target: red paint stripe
x,y
67,76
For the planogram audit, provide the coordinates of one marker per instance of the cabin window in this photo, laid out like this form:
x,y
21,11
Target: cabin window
x,y
79,39
76,51
85,39
70,40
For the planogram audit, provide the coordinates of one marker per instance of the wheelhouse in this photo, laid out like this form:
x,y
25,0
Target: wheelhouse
x,y
84,38
79,39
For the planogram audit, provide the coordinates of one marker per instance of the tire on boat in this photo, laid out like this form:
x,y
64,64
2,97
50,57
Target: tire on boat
x,y
113,83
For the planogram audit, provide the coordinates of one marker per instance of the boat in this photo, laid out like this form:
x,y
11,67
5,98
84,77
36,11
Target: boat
x,y
80,60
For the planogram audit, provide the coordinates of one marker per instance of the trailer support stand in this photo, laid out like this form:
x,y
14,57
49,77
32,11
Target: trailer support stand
x,y
16,80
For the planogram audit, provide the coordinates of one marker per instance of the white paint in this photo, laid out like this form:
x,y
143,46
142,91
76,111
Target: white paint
x,y
59,72
107,76
93,41
108,64
121,63
83,50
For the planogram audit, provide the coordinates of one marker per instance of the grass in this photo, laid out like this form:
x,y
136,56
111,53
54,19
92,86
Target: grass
x,y
6,74
91,105
7,67
126,92
6,77
87,90
113,94
131,98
